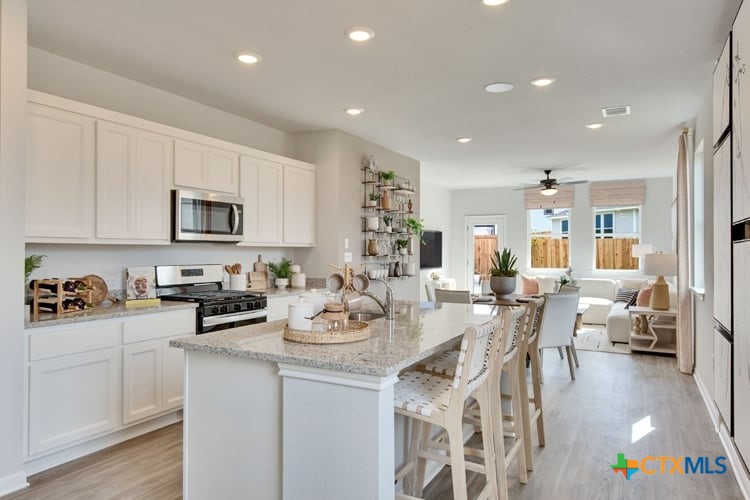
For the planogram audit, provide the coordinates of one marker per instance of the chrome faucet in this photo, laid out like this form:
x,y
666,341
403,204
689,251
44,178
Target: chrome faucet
x,y
388,306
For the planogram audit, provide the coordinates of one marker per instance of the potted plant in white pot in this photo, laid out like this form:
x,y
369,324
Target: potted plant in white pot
x,y
282,271
387,219
401,245
373,199
387,177
503,272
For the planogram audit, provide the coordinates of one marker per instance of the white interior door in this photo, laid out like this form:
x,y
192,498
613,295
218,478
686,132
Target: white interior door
x,y
483,226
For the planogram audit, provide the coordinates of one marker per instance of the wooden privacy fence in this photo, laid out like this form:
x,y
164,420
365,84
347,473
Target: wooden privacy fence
x,y
615,253
484,249
550,252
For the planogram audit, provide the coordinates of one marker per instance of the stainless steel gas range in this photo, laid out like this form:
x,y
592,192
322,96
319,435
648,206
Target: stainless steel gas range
x,y
218,309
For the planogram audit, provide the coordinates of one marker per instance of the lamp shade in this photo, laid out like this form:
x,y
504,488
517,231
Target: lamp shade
x,y
640,250
660,264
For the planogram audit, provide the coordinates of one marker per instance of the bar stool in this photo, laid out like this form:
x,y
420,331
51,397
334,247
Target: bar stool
x,y
529,346
432,399
514,321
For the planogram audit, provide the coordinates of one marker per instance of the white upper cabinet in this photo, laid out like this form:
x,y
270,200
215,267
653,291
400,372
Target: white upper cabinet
x,y
721,91
59,174
132,189
205,168
261,191
279,203
299,206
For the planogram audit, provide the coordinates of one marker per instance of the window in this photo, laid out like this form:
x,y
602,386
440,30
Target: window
x,y
549,245
616,230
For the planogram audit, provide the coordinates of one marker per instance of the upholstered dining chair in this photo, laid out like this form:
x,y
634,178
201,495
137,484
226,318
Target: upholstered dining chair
x,y
429,288
558,321
454,296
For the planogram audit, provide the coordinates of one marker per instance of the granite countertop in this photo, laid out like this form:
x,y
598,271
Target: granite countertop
x,y
416,333
99,312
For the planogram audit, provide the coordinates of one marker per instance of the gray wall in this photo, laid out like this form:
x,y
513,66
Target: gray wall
x,y
12,161
435,203
338,157
656,225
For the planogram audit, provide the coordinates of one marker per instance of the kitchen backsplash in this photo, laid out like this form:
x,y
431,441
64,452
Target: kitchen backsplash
x,y
110,261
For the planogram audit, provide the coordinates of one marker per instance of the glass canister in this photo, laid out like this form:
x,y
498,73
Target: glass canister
x,y
335,314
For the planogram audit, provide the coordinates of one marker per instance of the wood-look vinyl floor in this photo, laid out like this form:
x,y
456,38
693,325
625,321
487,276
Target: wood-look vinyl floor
x,y
588,422
146,467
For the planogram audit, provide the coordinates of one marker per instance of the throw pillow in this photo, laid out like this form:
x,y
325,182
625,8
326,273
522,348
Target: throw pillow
x,y
548,284
625,295
633,284
632,301
529,286
644,297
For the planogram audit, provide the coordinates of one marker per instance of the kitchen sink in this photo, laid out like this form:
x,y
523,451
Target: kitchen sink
x,y
365,316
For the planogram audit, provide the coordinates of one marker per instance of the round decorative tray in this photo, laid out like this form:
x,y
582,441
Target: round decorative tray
x,y
356,330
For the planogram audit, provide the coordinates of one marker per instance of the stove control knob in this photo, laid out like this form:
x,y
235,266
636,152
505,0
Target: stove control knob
x,y
223,309
238,307
214,310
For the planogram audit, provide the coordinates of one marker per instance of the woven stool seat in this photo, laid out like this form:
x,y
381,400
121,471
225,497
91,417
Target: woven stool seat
x,y
422,393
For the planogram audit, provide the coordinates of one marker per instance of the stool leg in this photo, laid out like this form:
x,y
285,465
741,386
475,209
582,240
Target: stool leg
x,y
517,417
525,417
536,384
421,465
416,434
497,429
458,465
488,443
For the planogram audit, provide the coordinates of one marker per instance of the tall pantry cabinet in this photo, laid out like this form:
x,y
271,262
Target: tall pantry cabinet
x,y
732,229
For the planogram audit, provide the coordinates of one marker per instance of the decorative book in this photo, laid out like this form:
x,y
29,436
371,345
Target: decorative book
x,y
140,282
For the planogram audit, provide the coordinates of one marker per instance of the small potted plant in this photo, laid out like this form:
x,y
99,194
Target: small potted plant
x,y
282,271
503,272
401,245
387,219
373,199
387,177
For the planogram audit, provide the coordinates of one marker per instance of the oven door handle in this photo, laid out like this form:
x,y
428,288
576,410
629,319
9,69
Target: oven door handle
x,y
220,320
235,219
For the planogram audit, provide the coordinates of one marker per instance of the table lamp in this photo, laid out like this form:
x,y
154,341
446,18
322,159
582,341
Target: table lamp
x,y
660,265
641,249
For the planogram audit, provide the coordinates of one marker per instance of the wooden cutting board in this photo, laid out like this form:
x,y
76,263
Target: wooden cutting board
x,y
260,266
100,288
258,281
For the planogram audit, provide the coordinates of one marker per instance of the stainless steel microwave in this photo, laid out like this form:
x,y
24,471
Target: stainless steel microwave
x,y
204,216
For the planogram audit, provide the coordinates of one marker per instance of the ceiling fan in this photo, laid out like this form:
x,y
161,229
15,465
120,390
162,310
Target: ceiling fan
x,y
549,184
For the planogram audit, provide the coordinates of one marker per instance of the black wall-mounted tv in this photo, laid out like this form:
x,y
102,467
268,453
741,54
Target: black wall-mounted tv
x,y
431,252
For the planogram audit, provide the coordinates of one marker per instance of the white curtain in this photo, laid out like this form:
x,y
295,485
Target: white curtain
x,y
685,355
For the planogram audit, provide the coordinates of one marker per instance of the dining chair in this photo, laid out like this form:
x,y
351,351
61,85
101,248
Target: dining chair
x,y
454,296
558,321
571,289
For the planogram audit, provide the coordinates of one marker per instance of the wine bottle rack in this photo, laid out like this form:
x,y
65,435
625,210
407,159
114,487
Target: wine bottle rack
x,y
52,294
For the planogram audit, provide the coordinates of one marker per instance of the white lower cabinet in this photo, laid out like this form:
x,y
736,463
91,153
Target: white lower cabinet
x,y
72,398
152,378
90,379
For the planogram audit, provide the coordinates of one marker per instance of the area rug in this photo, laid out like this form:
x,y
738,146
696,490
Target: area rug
x,y
594,338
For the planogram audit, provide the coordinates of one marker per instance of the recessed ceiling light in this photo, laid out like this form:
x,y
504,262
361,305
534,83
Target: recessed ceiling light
x,y
360,34
354,111
543,81
493,3
248,58
499,87
464,140
593,125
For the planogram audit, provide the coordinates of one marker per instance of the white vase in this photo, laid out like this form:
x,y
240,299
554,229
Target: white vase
x,y
402,251
388,229
372,223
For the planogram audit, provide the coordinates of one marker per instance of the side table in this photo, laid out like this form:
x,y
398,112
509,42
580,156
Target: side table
x,y
659,326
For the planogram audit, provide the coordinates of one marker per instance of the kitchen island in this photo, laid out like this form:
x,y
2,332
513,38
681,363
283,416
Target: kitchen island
x,y
267,418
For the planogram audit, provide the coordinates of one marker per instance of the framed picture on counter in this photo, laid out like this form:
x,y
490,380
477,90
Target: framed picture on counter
x,y
140,282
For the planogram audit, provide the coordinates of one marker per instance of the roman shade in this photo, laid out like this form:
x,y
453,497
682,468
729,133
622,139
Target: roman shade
x,y
562,199
618,193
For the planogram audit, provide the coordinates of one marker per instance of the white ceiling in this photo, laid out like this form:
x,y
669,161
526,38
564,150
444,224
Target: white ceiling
x,y
421,79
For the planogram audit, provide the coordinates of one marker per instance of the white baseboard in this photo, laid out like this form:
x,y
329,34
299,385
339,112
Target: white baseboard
x,y
39,464
713,411
14,482
738,467
740,473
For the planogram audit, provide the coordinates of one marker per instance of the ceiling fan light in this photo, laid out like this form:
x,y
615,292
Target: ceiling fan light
x,y
548,191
